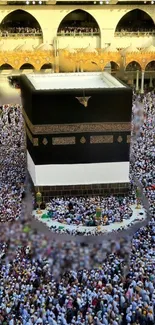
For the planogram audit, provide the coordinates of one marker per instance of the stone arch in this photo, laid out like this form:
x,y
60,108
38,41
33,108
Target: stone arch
x,y
46,66
27,66
19,17
133,66
112,65
6,66
135,19
150,66
74,20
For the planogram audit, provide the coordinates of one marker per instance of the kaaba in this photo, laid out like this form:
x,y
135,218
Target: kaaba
x,y
76,118
78,133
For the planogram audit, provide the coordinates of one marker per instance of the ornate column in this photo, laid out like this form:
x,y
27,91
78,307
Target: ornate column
x,y
122,66
137,80
57,64
81,66
142,82
56,54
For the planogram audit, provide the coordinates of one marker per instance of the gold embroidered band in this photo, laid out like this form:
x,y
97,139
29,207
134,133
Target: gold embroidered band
x,y
77,127
101,139
63,141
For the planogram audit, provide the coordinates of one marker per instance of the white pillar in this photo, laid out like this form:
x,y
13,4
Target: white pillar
x,y
57,64
81,66
78,66
142,83
151,84
137,80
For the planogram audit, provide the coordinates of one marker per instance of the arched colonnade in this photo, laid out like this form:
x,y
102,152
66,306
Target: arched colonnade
x,y
78,21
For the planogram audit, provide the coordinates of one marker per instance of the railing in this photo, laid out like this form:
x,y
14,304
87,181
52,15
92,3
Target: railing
x,y
130,72
116,73
134,34
81,34
135,71
20,35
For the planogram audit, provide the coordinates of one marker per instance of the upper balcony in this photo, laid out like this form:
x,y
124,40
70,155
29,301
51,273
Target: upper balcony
x,y
78,28
20,25
135,27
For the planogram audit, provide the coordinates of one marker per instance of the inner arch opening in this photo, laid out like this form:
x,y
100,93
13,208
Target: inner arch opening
x,y
134,21
20,22
78,22
133,66
150,66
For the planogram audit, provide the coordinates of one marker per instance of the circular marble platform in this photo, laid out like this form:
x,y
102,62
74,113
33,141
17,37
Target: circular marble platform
x,y
138,216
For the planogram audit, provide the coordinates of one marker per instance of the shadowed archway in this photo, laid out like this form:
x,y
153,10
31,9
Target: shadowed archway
x,y
133,66
6,66
27,66
150,66
134,21
78,22
21,22
113,66
6,69
46,66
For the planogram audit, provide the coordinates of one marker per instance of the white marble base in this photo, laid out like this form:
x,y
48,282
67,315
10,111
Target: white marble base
x,y
78,174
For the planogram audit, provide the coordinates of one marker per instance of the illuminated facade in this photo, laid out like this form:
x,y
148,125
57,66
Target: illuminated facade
x,y
77,36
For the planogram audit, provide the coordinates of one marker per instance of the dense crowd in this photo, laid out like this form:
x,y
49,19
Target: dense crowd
x,y
19,30
82,211
30,292
136,29
12,161
71,31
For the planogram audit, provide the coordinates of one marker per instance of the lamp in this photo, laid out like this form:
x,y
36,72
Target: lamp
x,y
138,198
39,201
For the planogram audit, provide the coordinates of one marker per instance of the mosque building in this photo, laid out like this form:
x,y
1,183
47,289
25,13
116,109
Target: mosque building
x,y
79,36
77,154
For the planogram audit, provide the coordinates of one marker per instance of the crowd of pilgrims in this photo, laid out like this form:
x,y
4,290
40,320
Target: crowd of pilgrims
x,y
12,160
6,31
78,30
30,292
138,30
82,211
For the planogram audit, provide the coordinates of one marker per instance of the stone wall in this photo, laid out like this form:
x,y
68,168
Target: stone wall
x,y
83,190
